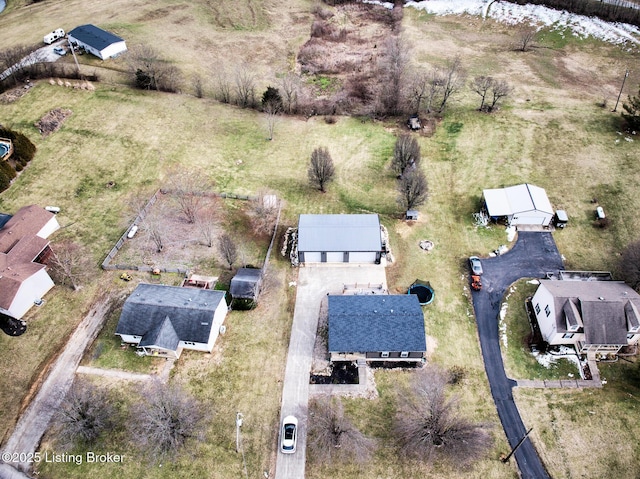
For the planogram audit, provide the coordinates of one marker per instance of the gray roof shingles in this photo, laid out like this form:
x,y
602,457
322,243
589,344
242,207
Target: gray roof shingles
x,y
339,233
190,311
375,323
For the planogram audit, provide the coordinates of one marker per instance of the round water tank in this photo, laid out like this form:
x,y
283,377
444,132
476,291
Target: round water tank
x,y
425,293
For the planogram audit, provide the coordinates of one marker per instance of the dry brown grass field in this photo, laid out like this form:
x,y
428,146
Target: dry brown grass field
x,y
550,132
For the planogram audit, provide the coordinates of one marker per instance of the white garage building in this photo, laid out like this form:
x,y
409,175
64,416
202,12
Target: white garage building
x,y
339,239
521,205
97,41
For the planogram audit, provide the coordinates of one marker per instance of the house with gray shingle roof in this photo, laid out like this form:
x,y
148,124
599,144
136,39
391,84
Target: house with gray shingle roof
x,y
163,320
376,328
339,239
592,316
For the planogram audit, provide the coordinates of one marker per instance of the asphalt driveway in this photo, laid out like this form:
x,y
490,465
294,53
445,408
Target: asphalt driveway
x,y
534,254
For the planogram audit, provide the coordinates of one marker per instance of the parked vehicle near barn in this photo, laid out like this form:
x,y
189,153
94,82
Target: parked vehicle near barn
x,y
49,38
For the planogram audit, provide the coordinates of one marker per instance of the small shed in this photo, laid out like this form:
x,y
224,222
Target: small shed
x,y
246,284
97,41
411,215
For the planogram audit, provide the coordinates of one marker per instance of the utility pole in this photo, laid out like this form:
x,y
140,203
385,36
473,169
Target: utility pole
x,y
238,425
626,74
73,52
505,459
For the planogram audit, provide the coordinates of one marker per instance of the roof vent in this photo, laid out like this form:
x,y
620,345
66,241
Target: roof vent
x,y
375,310
600,298
204,324
392,310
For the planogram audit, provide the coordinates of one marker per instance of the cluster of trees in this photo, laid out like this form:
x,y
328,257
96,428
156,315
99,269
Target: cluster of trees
x,y
151,72
631,112
160,422
413,189
427,426
23,152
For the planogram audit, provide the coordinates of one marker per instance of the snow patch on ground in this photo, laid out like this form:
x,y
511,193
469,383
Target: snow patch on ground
x,y
548,359
533,281
535,15
503,323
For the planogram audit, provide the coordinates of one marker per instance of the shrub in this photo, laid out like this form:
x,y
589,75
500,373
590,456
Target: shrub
x,y
5,182
7,169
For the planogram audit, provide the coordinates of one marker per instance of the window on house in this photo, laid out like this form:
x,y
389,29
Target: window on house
x,y
537,308
384,354
567,336
404,354
547,310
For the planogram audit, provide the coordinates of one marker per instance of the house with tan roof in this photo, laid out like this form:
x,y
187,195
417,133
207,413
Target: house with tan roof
x,y
592,316
24,249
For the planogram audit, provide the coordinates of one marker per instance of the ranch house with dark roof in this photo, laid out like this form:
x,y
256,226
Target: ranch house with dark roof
x,y
376,328
164,320
339,239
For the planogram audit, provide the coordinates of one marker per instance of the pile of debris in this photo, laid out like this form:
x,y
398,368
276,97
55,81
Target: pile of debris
x,y
52,121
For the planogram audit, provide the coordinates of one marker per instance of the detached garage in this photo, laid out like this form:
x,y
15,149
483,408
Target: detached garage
x,y
521,205
339,239
97,41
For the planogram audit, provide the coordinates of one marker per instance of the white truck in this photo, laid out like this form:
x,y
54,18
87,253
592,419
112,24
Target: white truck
x,y
49,38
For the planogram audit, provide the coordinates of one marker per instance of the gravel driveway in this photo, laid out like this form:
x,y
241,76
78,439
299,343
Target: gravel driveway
x,y
34,421
533,255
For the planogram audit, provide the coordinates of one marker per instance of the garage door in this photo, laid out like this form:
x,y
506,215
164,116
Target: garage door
x,y
362,257
335,257
530,220
312,257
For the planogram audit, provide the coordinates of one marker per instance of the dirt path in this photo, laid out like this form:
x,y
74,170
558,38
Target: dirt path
x,y
114,373
34,421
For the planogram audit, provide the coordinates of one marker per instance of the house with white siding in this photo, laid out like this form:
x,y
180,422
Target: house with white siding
x,y
97,41
592,316
165,320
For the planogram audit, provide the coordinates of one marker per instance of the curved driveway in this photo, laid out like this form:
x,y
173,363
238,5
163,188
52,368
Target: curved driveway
x,y
534,254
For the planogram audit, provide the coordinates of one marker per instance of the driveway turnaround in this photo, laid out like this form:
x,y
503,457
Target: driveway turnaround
x,y
533,255
314,282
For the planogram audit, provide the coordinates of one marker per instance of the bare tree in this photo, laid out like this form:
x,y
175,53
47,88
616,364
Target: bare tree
x,y
13,61
263,211
70,265
198,86
481,85
222,85
332,436
245,86
86,412
428,426
188,189
165,418
290,86
499,90
406,154
422,89
272,112
151,72
525,38
321,169
206,221
452,80
392,72
228,250
154,226
413,189
629,265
